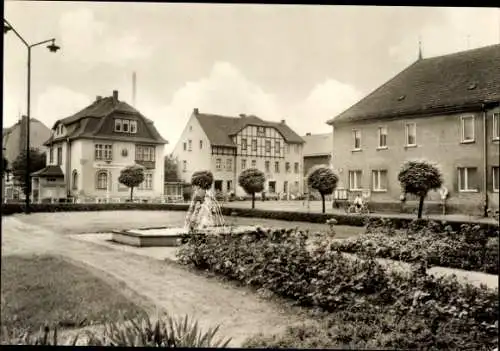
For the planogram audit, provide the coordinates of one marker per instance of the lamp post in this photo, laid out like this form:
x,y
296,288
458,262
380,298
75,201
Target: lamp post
x,y
53,48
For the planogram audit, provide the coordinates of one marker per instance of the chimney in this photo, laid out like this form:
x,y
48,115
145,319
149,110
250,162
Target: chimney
x,y
196,111
242,115
308,134
98,97
115,95
282,121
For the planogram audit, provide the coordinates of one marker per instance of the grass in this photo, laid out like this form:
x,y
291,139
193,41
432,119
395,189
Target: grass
x,y
40,290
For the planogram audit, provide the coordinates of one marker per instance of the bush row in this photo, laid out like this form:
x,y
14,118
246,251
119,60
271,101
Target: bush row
x,y
284,263
347,219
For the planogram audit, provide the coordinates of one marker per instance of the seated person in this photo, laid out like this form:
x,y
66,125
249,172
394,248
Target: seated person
x,y
358,201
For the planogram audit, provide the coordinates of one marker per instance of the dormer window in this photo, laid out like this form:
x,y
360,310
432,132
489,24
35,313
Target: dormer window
x,y
118,125
133,126
260,131
125,126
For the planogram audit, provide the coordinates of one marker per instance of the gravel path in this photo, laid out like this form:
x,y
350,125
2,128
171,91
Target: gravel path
x,y
168,287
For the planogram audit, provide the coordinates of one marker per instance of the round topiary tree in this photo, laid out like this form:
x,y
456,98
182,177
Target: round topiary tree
x,y
131,177
322,179
418,178
202,179
252,181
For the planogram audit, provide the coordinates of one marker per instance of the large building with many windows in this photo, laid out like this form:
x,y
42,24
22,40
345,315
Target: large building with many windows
x,y
444,109
228,145
87,151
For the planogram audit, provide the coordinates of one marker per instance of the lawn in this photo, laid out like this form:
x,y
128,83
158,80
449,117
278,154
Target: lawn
x,y
46,289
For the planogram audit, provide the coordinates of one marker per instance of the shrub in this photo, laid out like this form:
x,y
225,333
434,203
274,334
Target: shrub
x,y
284,263
324,180
252,181
132,177
202,179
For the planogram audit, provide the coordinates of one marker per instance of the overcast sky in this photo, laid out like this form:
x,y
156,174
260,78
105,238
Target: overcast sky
x,y
304,64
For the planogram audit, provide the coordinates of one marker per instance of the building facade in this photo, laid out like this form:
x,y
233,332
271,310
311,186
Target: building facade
x,y
443,109
317,150
228,145
88,150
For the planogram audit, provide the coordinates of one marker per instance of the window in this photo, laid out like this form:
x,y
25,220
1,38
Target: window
x,y
103,152
201,144
184,146
411,134
467,179
229,185
102,180
496,126
125,125
244,144
354,180
382,137
254,164
144,153
118,125
190,128
229,164
277,167
296,167
59,155
190,145
268,145
277,147
218,164
495,178
133,126
51,155
467,126
74,180
287,167
184,166
147,183
254,144
243,164
356,136
379,180
260,131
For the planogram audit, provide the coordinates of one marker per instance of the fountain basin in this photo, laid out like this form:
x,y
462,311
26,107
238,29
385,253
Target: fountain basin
x,y
169,236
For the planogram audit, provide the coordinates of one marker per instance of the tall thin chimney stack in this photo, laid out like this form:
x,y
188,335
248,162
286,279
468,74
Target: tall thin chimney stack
x,y
134,82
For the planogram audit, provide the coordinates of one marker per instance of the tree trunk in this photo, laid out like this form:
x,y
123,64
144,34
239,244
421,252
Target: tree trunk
x,y
253,201
131,193
323,201
420,207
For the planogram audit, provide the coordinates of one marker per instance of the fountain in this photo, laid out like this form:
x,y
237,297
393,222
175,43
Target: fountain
x,y
204,216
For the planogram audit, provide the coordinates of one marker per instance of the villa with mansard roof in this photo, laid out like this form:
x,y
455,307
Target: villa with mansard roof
x,y
227,145
87,151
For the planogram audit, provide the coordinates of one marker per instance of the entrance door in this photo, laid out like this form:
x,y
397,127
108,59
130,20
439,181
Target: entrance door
x,y
272,186
218,185
229,186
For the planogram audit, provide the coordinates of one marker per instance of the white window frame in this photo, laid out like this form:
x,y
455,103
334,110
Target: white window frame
x,y
125,122
357,180
105,179
496,125
354,132
466,174
218,164
103,152
407,134
277,147
147,183
267,146
261,131
243,164
380,129
184,166
254,164
493,178
462,129
376,180
118,125
133,127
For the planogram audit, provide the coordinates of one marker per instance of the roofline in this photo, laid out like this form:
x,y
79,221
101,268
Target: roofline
x,y
418,113
156,142
319,154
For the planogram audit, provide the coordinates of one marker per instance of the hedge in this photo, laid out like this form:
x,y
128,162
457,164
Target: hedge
x,y
342,219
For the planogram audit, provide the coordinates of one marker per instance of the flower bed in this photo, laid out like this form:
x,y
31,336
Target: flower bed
x,y
280,262
471,248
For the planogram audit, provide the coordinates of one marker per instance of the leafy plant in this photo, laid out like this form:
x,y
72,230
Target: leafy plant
x,y
418,178
322,179
252,181
37,162
131,177
202,179
12,337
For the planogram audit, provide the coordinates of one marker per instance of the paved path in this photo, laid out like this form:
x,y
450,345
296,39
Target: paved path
x,y
169,287
315,207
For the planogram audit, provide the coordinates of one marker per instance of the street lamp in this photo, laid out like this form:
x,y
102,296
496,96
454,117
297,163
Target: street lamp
x,y
52,48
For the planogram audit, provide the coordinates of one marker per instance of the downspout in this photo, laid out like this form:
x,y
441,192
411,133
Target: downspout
x,y
68,168
485,161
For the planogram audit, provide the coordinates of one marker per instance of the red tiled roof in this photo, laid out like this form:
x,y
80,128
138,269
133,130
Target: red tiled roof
x,y
219,129
461,79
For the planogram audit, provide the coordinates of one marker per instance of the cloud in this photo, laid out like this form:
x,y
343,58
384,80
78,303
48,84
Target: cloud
x,y
58,102
86,39
227,91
